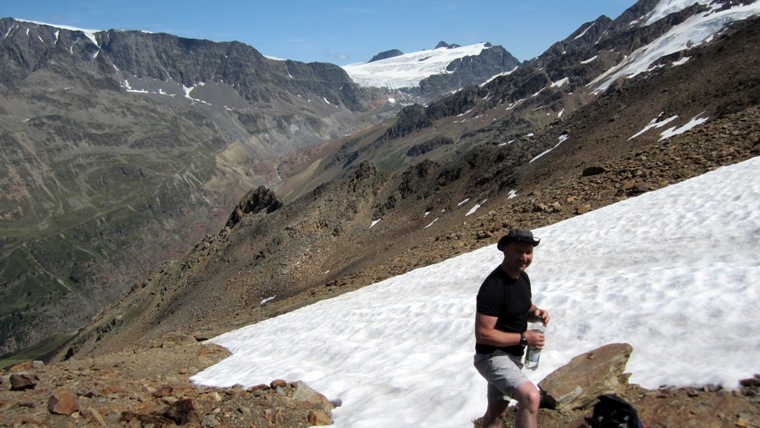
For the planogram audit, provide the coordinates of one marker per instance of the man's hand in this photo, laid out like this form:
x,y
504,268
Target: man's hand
x,y
543,314
535,339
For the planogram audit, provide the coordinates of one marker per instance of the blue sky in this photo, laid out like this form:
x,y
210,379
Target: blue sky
x,y
340,32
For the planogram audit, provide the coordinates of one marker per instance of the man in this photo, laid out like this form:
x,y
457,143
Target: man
x,y
504,308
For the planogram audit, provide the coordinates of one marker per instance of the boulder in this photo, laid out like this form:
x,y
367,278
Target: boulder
x,y
184,411
578,383
303,392
22,381
63,402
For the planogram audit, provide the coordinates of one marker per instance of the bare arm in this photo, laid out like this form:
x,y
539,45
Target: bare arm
x,y
486,333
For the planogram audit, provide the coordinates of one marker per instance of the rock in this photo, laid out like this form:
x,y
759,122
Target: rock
x,y
22,381
163,391
256,200
278,383
593,170
578,383
63,402
184,411
172,340
22,367
302,392
583,209
139,420
317,418
93,417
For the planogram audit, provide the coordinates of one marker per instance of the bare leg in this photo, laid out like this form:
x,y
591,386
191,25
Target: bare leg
x,y
494,417
528,399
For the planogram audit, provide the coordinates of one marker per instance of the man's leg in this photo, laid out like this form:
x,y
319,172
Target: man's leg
x,y
528,400
503,372
494,417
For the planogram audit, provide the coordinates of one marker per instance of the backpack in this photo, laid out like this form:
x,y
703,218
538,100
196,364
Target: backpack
x,y
613,412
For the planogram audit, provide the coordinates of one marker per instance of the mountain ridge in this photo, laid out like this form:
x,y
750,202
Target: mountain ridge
x,y
349,217
324,234
544,96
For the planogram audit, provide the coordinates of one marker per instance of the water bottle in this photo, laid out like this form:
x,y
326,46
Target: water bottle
x,y
532,354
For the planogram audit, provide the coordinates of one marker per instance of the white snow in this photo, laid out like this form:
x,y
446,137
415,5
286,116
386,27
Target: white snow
x,y
561,82
407,70
586,61
90,34
475,208
654,123
673,272
694,122
692,32
583,33
665,8
562,139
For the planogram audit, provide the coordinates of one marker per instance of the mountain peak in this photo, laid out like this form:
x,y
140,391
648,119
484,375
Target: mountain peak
x,y
396,70
386,54
443,44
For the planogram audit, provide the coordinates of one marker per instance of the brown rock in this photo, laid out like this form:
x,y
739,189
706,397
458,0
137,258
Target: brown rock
x,y
583,209
140,420
36,419
22,381
172,340
318,418
163,391
93,416
314,399
278,383
578,383
22,367
63,402
184,411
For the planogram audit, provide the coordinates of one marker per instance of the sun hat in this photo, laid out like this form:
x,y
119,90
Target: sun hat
x,y
517,235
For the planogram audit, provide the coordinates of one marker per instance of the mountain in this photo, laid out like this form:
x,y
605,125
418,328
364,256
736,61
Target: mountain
x,y
429,73
575,129
120,149
665,92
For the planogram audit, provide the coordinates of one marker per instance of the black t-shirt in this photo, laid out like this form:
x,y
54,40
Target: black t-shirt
x,y
508,299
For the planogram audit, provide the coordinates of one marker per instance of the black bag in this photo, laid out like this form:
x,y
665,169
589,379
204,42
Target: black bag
x,y
613,412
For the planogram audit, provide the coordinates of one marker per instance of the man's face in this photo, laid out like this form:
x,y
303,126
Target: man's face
x,y
517,256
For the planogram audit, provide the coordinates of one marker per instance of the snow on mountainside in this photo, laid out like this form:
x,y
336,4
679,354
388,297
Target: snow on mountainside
x,y
406,71
698,29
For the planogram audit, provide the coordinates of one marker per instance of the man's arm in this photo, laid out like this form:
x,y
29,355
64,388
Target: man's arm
x,y
486,333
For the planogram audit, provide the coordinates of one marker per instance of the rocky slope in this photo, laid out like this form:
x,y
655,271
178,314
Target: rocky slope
x,y
315,248
279,257
273,257
124,148
120,149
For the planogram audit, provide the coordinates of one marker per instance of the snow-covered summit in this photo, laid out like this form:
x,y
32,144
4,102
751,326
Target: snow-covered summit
x,y
407,70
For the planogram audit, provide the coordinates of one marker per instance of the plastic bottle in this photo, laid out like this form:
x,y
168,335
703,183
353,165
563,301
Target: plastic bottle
x,y
532,354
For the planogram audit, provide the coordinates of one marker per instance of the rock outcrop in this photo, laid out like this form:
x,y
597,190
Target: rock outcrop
x,y
577,384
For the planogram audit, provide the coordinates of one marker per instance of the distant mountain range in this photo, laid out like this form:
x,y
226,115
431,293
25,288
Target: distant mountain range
x,y
134,161
121,149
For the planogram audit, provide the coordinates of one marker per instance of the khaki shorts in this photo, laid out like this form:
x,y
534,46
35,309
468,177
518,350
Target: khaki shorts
x,y
503,371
